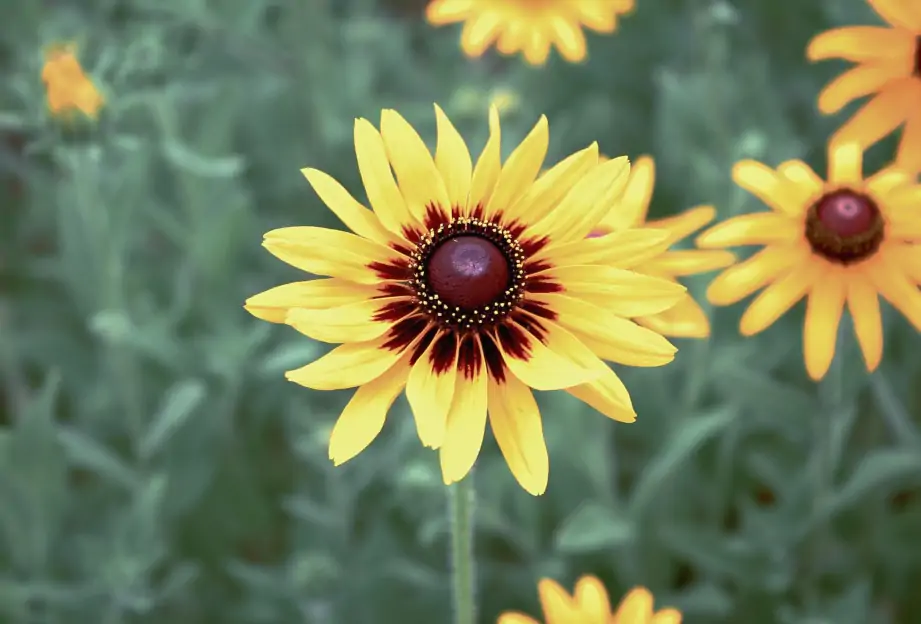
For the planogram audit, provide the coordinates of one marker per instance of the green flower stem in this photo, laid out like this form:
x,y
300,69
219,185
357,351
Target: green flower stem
x,y
463,568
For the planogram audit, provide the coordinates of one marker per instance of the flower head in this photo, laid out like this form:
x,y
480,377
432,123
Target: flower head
x,y
889,67
528,26
68,88
687,319
467,286
844,240
589,604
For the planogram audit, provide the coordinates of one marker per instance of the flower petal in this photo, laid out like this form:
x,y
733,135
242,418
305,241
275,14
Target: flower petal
x,y
568,37
898,13
631,208
558,606
757,228
536,362
624,293
688,262
322,251
775,300
859,82
666,616
623,249
685,320
418,177
363,417
516,423
441,12
892,283
741,280
684,223
380,186
488,166
352,322
909,154
881,115
347,366
430,389
863,303
592,598
520,169
635,607
272,305
466,424
480,31
860,44
355,216
550,188
767,185
823,315
807,185
845,163
453,160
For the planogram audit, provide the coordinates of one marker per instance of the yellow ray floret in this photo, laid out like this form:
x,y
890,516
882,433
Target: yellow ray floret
x,y
530,27
589,604
888,67
840,241
686,319
68,87
466,285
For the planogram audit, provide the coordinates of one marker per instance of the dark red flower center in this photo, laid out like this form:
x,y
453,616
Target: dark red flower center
x,y
468,272
917,71
844,226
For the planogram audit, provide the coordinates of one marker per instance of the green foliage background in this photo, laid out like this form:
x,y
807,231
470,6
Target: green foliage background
x,y
156,467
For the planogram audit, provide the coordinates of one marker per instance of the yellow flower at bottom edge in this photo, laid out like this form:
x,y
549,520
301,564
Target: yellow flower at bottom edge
x,y
67,86
687,319
467,286
528,26
889,66
844,240
589,605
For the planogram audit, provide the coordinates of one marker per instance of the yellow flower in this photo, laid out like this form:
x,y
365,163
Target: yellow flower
x,y
528,26
845,240
68,88
467,286
687,319
889,66
589,605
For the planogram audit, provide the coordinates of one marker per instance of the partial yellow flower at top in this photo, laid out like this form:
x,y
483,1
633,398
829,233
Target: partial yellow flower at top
x,y
589,604
528,26
467,286
687,319
841,241
68,88
889,66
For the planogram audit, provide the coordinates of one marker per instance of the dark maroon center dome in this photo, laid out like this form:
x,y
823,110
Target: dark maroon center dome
x,y
468,272
847,214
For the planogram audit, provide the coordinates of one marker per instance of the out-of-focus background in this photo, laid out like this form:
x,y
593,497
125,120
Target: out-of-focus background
x,y
156,467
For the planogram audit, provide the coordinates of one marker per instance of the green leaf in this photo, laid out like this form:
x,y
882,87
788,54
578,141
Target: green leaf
x,y
593,527
880,472
87,453
180,403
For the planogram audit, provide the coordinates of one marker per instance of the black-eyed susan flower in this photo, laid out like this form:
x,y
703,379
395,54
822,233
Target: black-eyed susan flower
x,y
589,604
888,67
468,285
527,26
687,319
841,241
67,86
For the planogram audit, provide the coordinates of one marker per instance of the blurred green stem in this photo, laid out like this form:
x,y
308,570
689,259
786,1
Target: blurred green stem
x,y
463,572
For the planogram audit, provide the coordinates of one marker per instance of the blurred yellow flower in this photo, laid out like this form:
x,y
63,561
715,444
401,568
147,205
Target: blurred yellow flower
x,y
841,241
528,26
687,319
889,66
68,87
469,285
589,604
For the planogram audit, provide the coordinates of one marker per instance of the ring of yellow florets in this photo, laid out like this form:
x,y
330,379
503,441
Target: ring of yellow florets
x,y
498,304
844,226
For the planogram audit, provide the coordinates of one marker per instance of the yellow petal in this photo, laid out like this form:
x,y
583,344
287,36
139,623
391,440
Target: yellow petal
x,y
685,320
767,185
688,262
538,364
635,607
666,616
823,315
779,297
631,208
806,182
488,166
613,338
536,47
881,115
892,283
685,223
741,280
623,249
380,186
909,154
480,31
322,251
364,415
355,216
273,304
440,12
624,293
520,169
352,322
516,424
466,422
898,13
863,303
516,618
453,160
858,82
556,603
758,228
430,391
347,366
592,598
550,188
568,37
418,177
860,44
845,163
